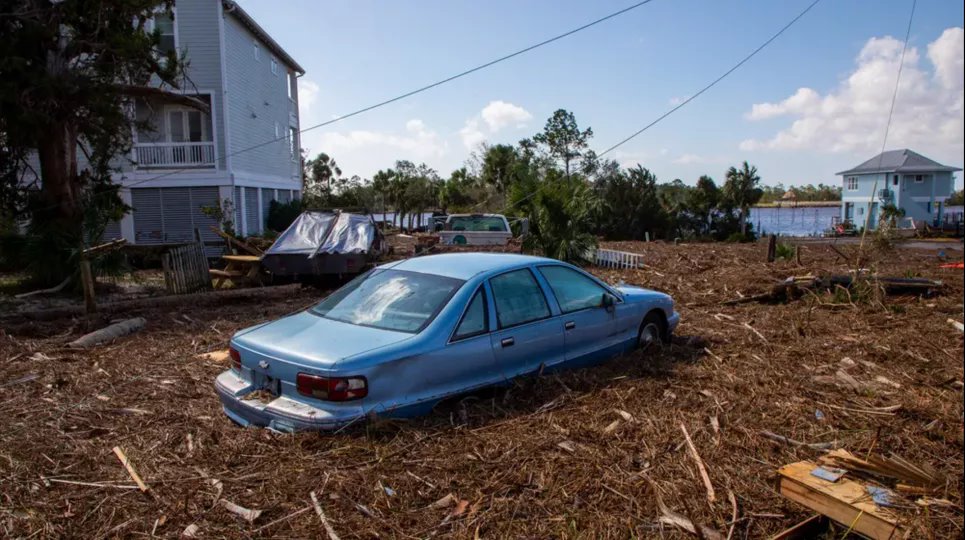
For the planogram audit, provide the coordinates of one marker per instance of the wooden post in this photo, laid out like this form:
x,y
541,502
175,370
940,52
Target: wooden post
x,y
87,282
797,253
771,248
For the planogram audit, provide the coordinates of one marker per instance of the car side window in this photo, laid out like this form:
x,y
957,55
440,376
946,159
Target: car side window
x,y
518,298
475,321
573,290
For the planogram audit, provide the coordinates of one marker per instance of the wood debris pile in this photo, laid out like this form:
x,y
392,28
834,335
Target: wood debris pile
x,y
683,442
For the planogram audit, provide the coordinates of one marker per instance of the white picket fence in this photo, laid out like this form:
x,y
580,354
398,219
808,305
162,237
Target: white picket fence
x,y
611,258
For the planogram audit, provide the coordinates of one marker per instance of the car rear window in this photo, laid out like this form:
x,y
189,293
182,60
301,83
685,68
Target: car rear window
x,y
390,299
478,223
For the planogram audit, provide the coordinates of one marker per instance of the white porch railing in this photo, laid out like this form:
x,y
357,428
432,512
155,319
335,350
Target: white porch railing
x,y
182,154
611,258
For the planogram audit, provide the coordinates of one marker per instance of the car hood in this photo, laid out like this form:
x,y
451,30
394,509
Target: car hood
x,y
312,340
632,293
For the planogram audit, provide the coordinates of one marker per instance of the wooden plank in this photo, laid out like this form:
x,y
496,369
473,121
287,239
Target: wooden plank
x,y
845,501
242,258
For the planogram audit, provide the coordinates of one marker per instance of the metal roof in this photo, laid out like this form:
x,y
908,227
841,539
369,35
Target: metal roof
x,y
256,29
901,161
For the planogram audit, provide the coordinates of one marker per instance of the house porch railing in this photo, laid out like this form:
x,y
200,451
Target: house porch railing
x,y
179,154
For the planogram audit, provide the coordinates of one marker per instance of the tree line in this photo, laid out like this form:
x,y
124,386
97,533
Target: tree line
x,y
809,193
570,195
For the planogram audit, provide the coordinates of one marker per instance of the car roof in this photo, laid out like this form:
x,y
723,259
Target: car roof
x,y
466,265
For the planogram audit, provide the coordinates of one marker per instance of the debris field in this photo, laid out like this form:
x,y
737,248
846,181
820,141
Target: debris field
x,y
127,438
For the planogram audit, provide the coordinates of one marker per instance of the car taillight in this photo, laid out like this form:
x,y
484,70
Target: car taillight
x,y
332,388
235,359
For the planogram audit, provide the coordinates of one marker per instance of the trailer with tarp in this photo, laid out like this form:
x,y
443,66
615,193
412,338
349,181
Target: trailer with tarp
x,y
325,243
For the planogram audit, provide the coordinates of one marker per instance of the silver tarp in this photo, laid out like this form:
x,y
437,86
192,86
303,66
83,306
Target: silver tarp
x,y
314,232
352,233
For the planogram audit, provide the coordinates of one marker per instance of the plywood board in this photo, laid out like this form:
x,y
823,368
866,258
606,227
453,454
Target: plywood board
x,y
845,501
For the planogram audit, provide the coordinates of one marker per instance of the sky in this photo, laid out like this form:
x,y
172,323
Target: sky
x,y
811,104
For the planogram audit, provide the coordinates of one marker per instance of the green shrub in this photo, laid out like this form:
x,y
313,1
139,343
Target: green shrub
x,y
784,251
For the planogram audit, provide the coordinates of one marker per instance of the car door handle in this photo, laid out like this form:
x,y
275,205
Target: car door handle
x,y
569,325
508,342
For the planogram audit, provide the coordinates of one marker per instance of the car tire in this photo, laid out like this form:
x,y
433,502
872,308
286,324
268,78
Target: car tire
x,y
653,331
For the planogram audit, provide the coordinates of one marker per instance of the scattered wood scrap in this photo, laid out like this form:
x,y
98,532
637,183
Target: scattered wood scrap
x,y
670,517
845,501
109,246
53,290
795,287
130,469
110,333
214,356
891,466
711,496
787,440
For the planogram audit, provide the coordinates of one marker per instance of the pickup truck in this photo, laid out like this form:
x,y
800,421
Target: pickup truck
x,y
475,230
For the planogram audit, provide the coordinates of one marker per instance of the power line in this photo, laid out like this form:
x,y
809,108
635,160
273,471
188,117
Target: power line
x,y
693,97
884,141
715,81
418,90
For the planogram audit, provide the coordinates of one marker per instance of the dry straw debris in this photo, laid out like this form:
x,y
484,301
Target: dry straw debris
x,y
755,385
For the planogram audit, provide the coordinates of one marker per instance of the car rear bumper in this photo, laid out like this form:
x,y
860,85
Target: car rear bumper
x,y
280,414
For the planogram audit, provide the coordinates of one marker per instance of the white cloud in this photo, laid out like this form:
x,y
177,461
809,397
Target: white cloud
x,y
928,116
417,142
496,116
689,159
471,134
307,95
499,114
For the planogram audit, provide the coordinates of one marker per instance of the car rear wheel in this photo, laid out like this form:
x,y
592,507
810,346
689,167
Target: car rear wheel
x,y
653,332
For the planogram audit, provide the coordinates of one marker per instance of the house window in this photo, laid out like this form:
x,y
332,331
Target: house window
x,y
919,178
164,24
292,81
274,67
277,130
852,183
928,205
894,181
292,142
257,51
186,125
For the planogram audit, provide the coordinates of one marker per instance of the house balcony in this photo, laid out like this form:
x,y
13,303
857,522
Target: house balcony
x,y
180,155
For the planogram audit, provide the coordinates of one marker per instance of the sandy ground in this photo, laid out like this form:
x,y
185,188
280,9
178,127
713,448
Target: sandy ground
x,y
582,454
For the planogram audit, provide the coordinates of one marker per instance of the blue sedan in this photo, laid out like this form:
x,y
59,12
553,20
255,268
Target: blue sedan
x,y
400,338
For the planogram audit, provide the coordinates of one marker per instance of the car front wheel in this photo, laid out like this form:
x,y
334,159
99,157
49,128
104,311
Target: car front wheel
x,y
653,331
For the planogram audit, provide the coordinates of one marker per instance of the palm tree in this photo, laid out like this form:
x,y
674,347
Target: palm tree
x,y
324,170
742,191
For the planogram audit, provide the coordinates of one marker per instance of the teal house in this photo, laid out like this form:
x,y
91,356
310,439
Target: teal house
x,y
906,179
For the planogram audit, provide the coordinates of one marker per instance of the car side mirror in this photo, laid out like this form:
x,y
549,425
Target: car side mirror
x,y
608,302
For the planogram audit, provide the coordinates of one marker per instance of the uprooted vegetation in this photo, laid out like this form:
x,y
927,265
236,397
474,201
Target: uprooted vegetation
x,y
580,454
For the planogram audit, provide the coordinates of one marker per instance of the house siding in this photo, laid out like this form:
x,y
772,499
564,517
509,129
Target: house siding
x,y
198,39
918,200
257,102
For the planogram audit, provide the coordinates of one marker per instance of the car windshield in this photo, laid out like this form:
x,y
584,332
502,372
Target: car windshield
x,y
477,223
389,299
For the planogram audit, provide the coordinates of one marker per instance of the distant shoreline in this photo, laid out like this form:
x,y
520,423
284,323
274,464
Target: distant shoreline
x,y
799,204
